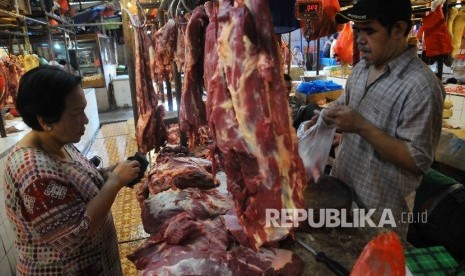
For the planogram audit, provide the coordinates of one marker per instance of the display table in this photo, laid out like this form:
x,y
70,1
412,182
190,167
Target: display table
x,y
451,148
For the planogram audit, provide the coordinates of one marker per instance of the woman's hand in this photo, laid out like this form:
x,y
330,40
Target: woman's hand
x,y
125,172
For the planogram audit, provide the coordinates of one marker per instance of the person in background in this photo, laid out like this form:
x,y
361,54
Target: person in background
x,y
390,113
65,65
333,45
53,62
297,56
56,199
300,111
327,46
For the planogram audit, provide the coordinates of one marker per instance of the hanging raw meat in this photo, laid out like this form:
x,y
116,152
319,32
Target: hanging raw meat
x,y
249,117
10,71
150,132
179,55
192,112
165,41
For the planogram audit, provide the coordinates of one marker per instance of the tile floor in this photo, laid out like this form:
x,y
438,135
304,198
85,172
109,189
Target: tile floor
x,y
113,143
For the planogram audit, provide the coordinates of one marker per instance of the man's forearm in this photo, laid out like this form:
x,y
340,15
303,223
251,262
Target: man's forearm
x,y
390,148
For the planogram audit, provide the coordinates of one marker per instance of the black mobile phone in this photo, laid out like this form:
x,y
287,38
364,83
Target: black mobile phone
x,y
139,157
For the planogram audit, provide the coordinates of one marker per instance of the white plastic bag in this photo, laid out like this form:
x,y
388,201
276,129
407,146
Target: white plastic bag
x,y
314,146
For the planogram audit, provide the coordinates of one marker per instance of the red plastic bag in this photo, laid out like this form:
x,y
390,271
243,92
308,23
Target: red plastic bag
x,y
382,256
344,48
437,36
324,25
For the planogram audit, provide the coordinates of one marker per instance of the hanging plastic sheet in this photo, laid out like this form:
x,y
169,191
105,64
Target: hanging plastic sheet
x,y
324,25
283,14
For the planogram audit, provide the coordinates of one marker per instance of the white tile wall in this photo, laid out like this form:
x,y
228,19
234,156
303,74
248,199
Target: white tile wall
x,y
8,254
102,99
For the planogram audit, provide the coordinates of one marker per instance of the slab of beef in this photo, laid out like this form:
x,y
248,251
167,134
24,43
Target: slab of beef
x,y
249,117
174,151
165,40
181,172
150,131
192,111
10,71
173,134
159,209
179,55
164,259
214,238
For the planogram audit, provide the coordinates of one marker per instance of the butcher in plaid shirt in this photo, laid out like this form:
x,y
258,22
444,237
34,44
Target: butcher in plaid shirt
x,y
390,114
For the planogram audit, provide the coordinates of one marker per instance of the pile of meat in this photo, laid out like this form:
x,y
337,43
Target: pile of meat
x,y
183,211
10,73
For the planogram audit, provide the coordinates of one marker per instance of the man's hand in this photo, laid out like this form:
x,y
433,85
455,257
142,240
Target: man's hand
x,y
313,120
344,118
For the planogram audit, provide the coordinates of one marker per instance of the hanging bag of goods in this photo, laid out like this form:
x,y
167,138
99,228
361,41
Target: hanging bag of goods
x,y
437,39
345,44
322,24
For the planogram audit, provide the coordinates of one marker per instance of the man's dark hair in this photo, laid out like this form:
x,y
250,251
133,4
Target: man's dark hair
x,y
388,22
62,62
42,92
287,77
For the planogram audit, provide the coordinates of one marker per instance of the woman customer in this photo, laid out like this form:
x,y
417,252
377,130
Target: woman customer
x,y
57,201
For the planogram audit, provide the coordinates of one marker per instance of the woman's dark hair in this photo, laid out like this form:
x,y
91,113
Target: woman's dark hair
x,y
42,92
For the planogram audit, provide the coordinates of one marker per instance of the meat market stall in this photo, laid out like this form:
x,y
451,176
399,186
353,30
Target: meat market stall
x,y
195,226
204,204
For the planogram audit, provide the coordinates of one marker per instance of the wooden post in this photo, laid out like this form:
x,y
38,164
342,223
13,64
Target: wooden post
x,y
178,91
355,51
290,55
129,55
169,93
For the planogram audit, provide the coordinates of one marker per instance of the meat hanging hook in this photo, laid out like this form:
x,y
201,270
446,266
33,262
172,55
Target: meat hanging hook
x,y
170,10
135,22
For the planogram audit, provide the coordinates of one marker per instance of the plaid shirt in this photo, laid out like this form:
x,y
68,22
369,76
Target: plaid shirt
x,y
406,102
46,202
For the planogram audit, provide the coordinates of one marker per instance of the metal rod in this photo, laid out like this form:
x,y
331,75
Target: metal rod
x,y
318,57
12,33
22,17
94,24
169,93
67,68
290,55
26,39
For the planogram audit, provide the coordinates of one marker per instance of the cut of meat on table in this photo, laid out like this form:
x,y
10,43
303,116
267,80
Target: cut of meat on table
x,y
150,130
257,145
192,111
159,209
181,173
197,259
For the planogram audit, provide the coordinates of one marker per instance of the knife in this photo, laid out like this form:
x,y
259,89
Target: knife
x,y
334,266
